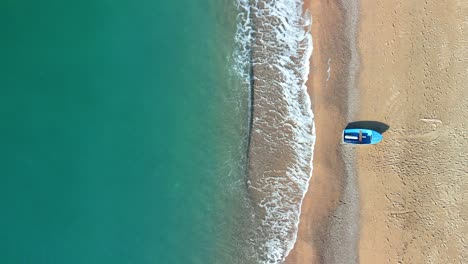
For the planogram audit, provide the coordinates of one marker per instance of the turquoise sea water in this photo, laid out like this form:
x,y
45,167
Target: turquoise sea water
x,y
122,132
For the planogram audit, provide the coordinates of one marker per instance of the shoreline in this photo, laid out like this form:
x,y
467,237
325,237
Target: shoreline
x,y
282,122
330,204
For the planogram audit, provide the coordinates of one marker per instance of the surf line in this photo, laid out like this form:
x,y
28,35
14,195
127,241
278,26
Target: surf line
x,y
281,30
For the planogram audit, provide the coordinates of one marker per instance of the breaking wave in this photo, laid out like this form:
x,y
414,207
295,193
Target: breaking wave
x,y
272,56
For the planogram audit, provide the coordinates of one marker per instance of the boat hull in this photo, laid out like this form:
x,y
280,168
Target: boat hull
x,y
361,136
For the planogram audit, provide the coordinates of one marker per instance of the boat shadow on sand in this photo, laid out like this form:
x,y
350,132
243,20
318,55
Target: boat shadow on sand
x,y
373,125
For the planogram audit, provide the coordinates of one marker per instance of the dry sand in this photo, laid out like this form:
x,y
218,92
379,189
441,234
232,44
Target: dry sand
x,y
413,187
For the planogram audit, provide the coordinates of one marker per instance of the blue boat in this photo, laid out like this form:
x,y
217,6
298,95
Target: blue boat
x,y
361,136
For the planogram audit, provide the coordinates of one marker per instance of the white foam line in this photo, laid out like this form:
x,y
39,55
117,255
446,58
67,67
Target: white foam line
x,y
309,106
287,41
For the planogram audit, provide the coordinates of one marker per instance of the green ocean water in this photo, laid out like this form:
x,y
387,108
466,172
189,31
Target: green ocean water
x,y
121,132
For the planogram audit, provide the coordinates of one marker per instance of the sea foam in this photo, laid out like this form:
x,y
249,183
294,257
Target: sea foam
x,y
272,57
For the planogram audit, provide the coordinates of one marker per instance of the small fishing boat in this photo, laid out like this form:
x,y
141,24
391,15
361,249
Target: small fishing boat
x,y
361,136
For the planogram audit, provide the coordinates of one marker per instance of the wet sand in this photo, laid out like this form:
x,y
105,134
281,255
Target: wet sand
x,y
329,219
408,201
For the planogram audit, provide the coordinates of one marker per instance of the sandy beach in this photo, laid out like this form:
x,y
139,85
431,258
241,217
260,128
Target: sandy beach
x,y
414,207
405,200
327,217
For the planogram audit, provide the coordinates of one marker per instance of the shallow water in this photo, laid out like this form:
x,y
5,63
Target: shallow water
x,y
147,132
123,132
